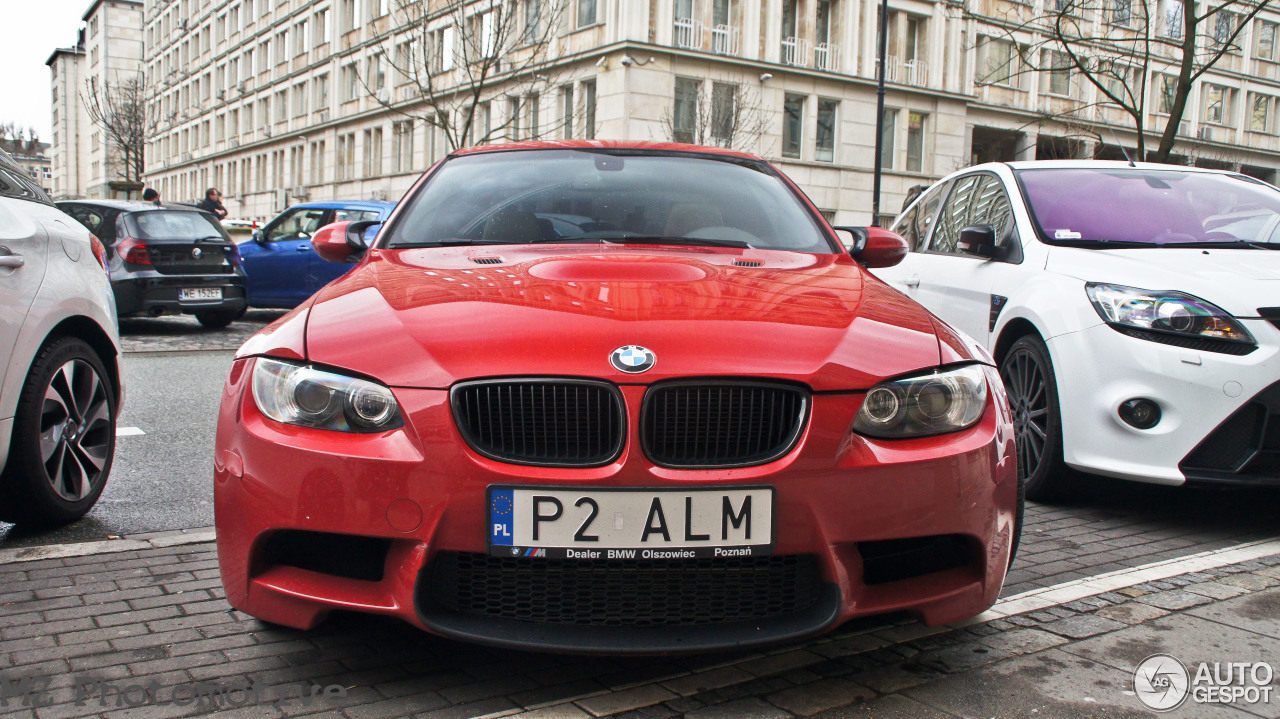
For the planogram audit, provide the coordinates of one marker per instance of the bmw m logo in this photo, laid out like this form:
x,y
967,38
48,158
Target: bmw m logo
x,y
632,359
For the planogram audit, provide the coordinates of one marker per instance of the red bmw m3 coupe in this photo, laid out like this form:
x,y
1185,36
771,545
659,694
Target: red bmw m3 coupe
x,y
612,397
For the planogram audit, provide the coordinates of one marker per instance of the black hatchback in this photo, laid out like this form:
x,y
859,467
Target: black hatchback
x,y
166,259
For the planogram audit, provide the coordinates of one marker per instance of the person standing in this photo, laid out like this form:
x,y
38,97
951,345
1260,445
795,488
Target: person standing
x,y
151,195
213,203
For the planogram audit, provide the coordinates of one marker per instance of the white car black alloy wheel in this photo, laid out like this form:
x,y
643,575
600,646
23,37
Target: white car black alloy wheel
x,y
1028,377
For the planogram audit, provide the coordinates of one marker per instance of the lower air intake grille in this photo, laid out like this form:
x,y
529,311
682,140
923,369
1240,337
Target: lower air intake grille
x,y
721,424
545,422
618,593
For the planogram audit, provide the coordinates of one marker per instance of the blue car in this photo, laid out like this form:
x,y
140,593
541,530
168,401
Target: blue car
x,y
282,268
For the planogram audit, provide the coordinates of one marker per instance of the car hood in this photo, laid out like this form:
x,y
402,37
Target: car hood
x,y
1238,281
431,317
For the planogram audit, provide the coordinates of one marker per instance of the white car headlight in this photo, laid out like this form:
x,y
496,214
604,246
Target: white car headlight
x,y
942,401
302,395
1162,316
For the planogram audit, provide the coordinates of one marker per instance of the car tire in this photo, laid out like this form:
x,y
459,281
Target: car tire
x,y
217,319
64,437
1028,377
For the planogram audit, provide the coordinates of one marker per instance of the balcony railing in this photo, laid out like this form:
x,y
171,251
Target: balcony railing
x,y
826,57
915,72
890,68
725,40
688,33
795,51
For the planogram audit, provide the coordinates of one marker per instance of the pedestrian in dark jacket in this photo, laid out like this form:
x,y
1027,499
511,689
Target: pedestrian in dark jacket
x,y
213,203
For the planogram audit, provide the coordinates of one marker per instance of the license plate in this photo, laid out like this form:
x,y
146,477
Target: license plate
x,y
200,293
630,524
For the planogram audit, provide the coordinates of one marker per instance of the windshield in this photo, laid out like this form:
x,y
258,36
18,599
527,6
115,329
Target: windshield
x,y
172,225
1138,206
528,196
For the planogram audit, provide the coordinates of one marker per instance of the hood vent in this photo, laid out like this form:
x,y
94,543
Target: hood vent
x,y
487,260
747,263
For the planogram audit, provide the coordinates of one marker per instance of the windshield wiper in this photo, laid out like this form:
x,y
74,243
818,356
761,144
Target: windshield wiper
x,y
625,238
1206,244
1103,243
451,242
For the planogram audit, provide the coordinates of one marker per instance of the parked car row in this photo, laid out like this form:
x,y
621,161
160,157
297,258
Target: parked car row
x,y
1132,310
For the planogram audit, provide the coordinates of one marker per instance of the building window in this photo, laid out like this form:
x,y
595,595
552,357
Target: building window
x,y
1059,73
442,49
322,91
1121,11
1265,48
886,138
825,139
566,102
532,21
300,99
317,162
534,101
724,111
1224,24
999,65
915,142
402,146
1173,19
684,110
350,83
345,164
373,152
792,123
1217,106
589,109
377,74
322,27
1260,114
1167,86
586,12
513,118
282,106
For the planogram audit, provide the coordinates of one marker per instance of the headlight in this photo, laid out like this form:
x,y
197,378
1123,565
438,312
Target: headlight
x,y
308,397
937,403
1165,313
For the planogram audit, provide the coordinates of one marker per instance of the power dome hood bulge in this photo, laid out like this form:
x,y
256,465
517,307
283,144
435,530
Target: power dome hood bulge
x,y
428,318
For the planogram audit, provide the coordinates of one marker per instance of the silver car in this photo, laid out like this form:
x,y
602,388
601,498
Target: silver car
x,y
60,391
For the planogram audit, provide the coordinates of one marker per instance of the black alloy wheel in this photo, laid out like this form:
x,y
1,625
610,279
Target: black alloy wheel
x,y
64,437
1028,378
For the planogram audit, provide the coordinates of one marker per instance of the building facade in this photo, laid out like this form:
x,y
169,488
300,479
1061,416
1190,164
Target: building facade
x,y
276,101
108,50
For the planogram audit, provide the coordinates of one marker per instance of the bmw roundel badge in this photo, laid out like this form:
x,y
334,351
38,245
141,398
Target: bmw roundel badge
x,y
632,359
195,252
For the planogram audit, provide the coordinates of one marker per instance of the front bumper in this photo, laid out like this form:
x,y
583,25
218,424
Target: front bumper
x,y
1099,368
400,505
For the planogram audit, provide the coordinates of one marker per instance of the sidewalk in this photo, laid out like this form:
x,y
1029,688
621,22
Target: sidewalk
x,y
139,629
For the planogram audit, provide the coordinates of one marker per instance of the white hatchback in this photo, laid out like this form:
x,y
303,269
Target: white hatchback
x,y
60,388
1134,311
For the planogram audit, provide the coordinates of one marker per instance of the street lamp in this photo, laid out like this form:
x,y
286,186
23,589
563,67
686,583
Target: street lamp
x,y
875,187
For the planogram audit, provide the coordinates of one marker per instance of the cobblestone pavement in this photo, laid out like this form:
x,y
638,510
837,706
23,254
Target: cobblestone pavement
x,y
179,333
141,628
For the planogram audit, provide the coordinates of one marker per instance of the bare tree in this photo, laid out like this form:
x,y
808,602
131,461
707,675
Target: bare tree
x,y
124,110
728,116
18,140
472,69
1118,46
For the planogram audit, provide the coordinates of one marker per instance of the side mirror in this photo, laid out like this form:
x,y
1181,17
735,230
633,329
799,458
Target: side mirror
x,y
876,247
979,241
342,241
257,236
